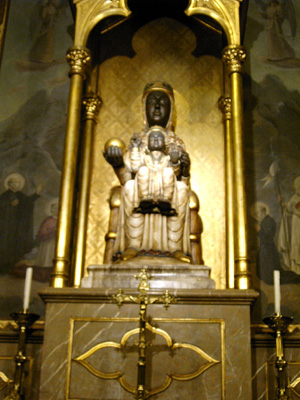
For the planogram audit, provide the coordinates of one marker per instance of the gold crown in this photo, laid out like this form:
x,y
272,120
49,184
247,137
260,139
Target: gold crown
x,y
158,85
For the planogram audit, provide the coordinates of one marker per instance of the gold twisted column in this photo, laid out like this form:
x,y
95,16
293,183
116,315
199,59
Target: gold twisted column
x,y
91,106
225,107
79,59
233,56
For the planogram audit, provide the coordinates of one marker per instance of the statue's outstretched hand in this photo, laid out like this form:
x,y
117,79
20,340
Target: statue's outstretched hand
x,y
175,155
135,141
185,164
114,156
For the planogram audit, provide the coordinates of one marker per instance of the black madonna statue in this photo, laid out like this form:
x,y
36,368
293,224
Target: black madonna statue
x,y
154,170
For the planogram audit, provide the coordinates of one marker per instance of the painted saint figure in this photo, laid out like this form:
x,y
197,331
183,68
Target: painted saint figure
x,y
43,44
268,257
46,236
16,221
289,233
155,172
276,13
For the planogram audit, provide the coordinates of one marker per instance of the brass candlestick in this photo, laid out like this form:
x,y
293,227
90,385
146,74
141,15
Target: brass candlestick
x,y
279,324
24,321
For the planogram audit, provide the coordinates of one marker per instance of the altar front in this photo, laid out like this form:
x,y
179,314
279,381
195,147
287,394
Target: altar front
x,y
198,347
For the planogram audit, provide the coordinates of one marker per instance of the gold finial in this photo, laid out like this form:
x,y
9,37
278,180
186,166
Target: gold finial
x,y
144,285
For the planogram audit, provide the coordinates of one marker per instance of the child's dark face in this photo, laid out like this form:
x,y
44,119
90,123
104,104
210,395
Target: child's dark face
x,y
156,141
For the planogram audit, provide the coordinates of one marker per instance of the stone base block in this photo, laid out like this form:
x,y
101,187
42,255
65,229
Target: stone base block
x,y
165,276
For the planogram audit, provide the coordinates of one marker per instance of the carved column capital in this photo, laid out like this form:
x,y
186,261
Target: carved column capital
x,y
79,59
233,56
91,107
225,107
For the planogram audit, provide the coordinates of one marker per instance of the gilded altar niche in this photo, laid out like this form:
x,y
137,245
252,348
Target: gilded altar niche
x,y
163,51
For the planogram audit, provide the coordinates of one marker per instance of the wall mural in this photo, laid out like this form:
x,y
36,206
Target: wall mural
x,y
34,90
272,107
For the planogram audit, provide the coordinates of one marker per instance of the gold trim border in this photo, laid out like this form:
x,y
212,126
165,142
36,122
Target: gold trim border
x,y
128,319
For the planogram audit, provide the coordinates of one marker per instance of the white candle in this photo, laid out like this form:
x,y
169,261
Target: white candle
x,y
27,288
276,276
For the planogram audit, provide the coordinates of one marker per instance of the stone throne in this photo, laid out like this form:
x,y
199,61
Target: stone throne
x,y
195,227
90,328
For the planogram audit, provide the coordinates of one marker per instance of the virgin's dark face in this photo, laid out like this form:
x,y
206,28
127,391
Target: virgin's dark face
x,y
158,108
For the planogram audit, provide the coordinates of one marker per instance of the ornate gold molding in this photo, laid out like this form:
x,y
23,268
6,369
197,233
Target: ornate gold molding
x,y
79,59
233,56
225,12
91,107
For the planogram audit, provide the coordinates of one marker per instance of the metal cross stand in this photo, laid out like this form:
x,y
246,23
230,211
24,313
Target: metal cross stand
x,y
143,299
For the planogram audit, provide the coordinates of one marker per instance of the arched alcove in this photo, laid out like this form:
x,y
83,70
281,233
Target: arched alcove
x,y
164,49
105,26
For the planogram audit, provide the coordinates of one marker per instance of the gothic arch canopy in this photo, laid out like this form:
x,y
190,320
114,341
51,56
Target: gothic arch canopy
x,y
91,12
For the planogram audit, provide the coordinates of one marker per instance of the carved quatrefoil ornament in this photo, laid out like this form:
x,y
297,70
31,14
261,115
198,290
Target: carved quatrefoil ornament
x,y
210,362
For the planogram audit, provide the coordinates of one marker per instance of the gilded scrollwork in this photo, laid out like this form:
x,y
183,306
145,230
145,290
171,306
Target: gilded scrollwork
x,y
233,57
91,105
79,59
225,107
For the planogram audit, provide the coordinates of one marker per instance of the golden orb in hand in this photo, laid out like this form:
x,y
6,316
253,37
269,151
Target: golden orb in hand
x,y
115,142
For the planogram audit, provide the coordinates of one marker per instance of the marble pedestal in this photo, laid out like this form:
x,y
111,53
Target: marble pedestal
x,y
171,275
197,348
